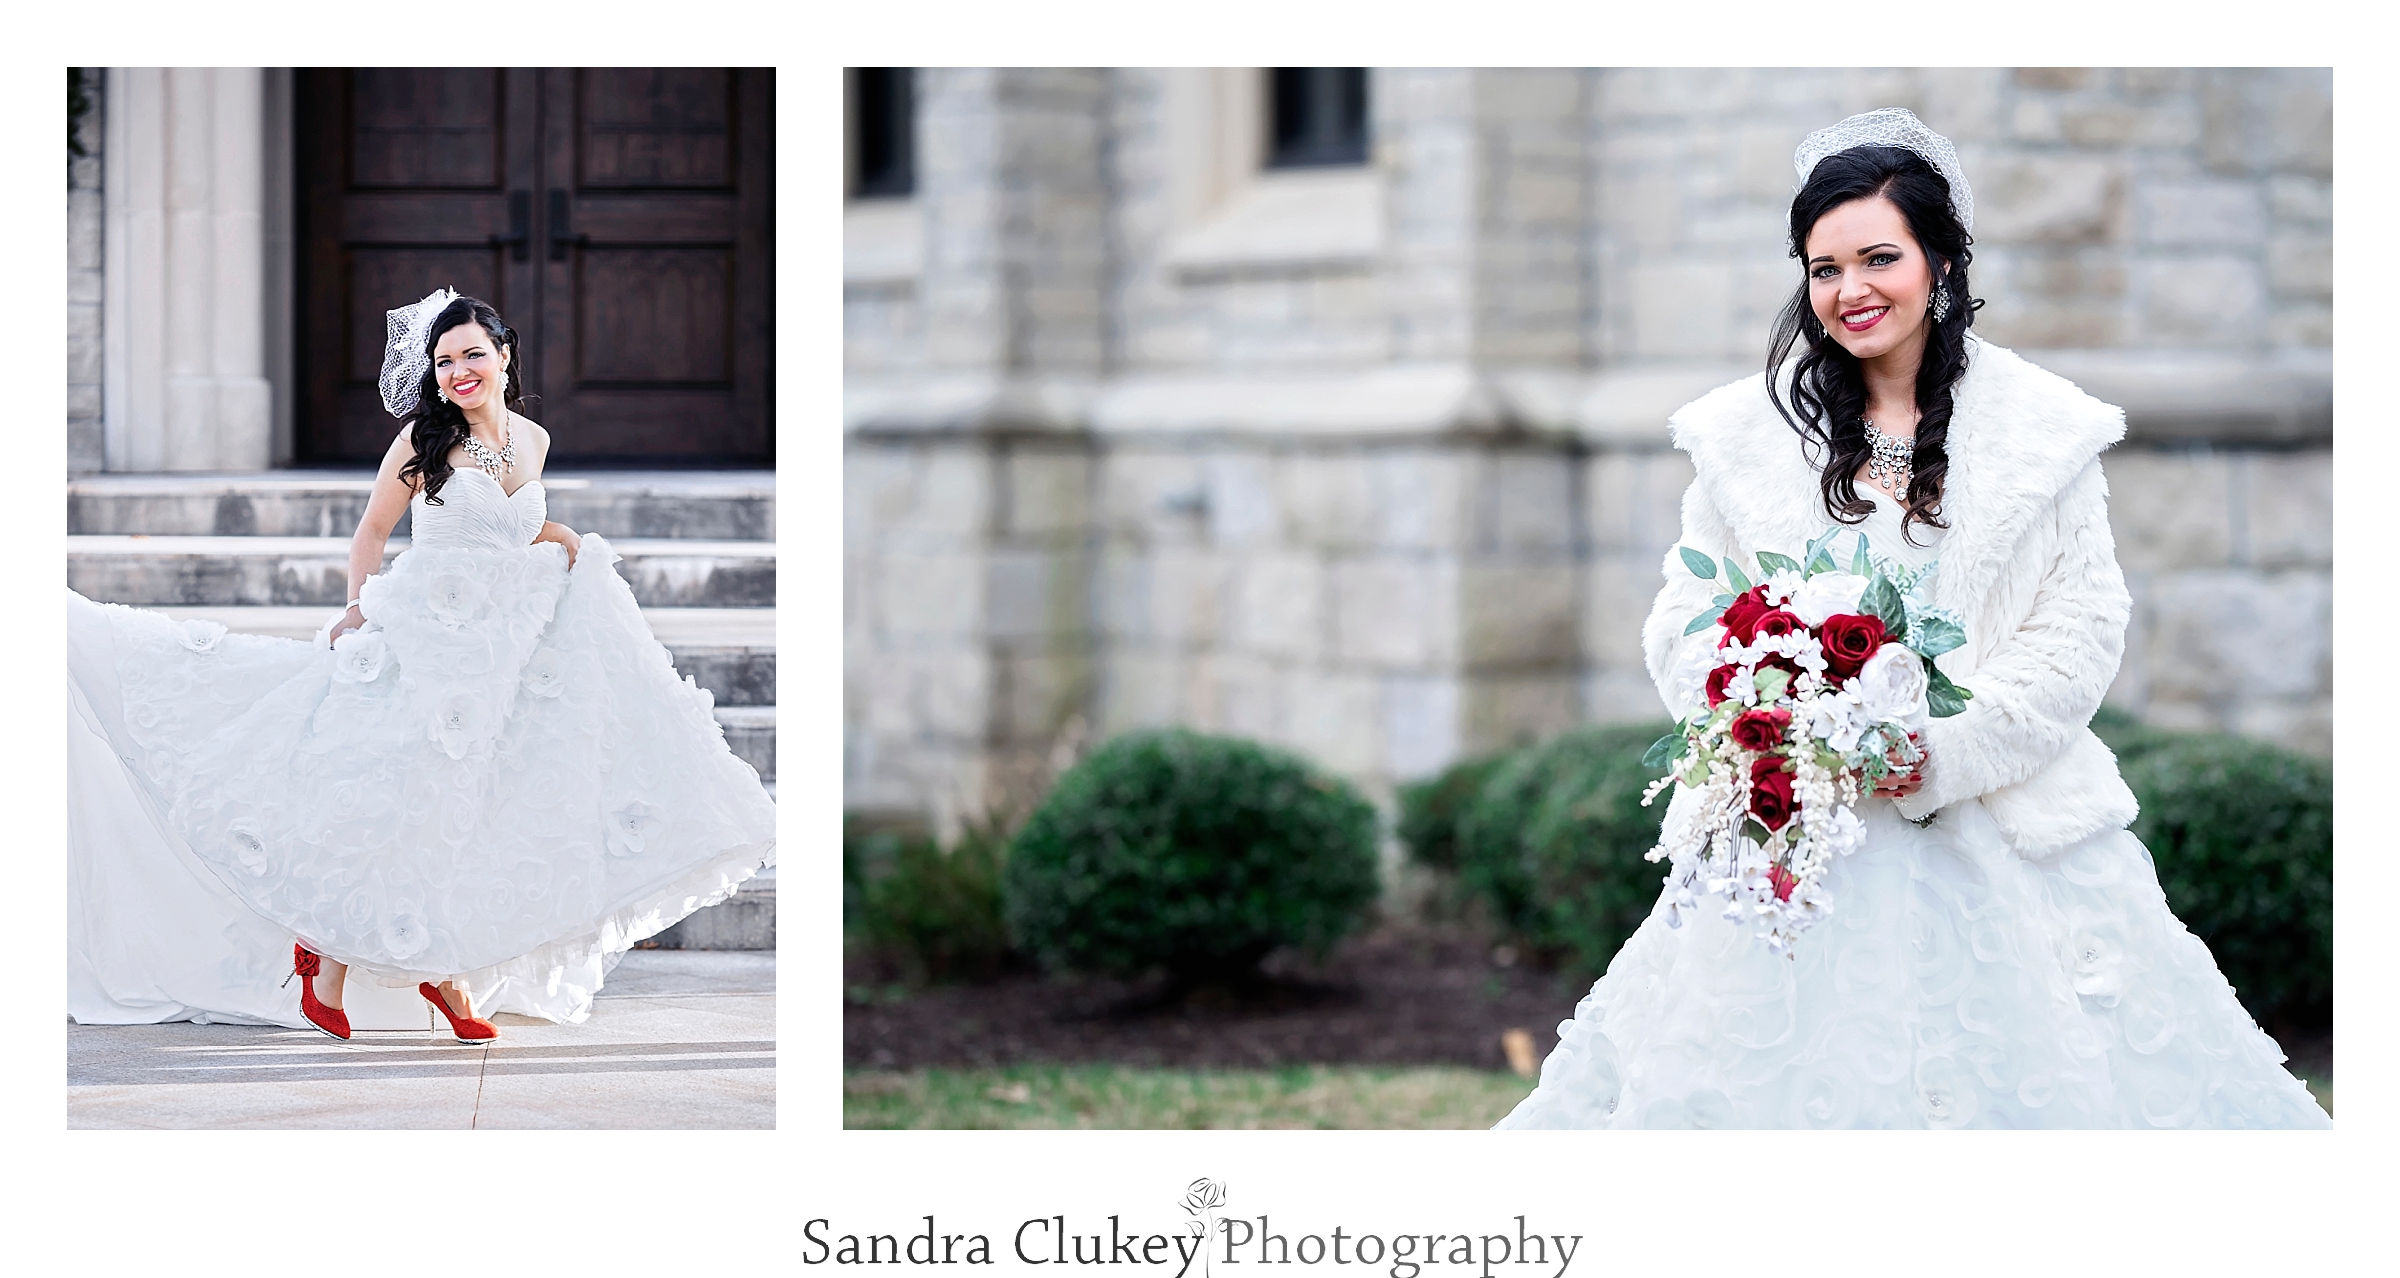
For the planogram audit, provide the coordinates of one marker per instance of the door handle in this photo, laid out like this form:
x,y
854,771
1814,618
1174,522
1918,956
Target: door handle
x,y
520,229
560,238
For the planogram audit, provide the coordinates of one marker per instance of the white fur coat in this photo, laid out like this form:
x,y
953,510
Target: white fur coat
x,y
2028,564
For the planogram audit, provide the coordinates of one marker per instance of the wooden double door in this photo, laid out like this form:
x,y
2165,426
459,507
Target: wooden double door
x,y
621,219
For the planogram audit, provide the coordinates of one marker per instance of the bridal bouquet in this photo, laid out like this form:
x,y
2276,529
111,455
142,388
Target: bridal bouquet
x,y
1813,692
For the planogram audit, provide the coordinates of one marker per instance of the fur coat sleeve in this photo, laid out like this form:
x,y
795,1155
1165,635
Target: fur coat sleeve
x,y
2028,564
2037,684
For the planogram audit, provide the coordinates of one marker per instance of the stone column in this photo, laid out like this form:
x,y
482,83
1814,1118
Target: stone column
x,y
1011,181
185,291
85,219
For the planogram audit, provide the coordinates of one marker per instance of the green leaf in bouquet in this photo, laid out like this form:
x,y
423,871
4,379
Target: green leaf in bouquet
x,y
1705,620
1934,635
1770,683
1734,578
1756,831
1942,697
1723,601
1665,751
1701,565
1882,600
1860,564
1770,563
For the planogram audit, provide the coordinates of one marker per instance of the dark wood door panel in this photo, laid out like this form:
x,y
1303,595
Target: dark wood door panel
x,y
656,317
423,129
655,127
641,286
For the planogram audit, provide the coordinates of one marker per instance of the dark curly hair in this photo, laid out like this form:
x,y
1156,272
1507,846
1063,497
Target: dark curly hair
x,y
1828,393
436,425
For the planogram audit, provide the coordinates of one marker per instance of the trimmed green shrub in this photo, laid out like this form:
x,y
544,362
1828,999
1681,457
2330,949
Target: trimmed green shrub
x,y
1430,810
1193,853
934,912
2128,737
2242,834
1555,838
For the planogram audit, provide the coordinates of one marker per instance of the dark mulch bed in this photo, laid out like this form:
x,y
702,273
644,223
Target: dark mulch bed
x,y
1400,995
1403,994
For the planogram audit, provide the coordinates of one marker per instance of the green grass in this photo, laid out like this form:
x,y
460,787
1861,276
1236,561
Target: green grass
x,y
2322,1089
1109,1096
1112,1096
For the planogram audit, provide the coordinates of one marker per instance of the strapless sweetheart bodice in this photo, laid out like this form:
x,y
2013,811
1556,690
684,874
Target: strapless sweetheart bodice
x,y
476,513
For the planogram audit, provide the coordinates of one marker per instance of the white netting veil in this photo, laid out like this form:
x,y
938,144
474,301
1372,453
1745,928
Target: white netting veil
x,y
404,358
1891,126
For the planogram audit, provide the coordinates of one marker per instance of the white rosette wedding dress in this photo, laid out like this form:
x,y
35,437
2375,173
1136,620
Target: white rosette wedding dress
x,y
2011,964
499,781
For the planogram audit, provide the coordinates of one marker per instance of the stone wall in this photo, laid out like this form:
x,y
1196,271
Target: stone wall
x,y
85,220
2149,207
1373,463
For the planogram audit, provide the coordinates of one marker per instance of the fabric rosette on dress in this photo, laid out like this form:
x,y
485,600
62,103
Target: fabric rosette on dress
x,y
446,793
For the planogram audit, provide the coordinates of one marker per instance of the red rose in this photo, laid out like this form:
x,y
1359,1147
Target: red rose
x,y
1759,729
1777,622
1784,881
1717,679
1771,792
1849,639
1741,616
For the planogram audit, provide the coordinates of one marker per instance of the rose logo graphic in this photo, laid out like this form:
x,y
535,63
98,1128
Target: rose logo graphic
x,y
1200,1202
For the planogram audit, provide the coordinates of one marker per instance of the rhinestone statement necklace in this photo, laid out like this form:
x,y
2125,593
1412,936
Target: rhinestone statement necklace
x,y
1891,461
493,464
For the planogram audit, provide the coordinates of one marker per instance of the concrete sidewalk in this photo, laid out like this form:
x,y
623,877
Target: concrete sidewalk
x,y
678,1038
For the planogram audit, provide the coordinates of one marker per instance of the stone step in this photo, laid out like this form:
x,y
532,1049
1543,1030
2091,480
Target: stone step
x,y
750,730
743,921
719,505
729,651
265,570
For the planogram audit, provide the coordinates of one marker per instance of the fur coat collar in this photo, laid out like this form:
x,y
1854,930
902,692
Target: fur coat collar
x,y
2018,435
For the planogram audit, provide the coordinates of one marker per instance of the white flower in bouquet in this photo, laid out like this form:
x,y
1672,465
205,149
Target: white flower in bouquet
x,y
1689,680
1827,594
1891,686
1837,719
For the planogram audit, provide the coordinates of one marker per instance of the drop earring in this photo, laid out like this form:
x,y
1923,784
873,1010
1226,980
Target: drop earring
x,y
1941,302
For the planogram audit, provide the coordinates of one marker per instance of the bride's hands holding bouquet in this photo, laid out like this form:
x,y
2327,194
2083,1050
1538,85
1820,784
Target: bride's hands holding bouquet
x,y
1897,784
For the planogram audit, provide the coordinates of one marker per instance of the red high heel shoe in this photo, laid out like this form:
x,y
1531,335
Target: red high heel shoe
x,y
467,1029
306,965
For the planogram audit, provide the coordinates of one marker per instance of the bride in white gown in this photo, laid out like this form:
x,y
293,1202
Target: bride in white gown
x,y
1999,953
489,786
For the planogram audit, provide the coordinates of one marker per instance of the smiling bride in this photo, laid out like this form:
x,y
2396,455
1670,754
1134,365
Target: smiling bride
x,y
1998,953
484,780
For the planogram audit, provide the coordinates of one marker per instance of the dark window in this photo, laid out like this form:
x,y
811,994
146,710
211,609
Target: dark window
x,y
883,139
1320,116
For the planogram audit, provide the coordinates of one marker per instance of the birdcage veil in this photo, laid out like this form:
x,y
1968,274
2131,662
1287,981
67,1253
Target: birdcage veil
x,y
1891,126
404,357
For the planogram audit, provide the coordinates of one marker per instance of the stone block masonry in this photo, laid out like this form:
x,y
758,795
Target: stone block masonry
x,y
1372,462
